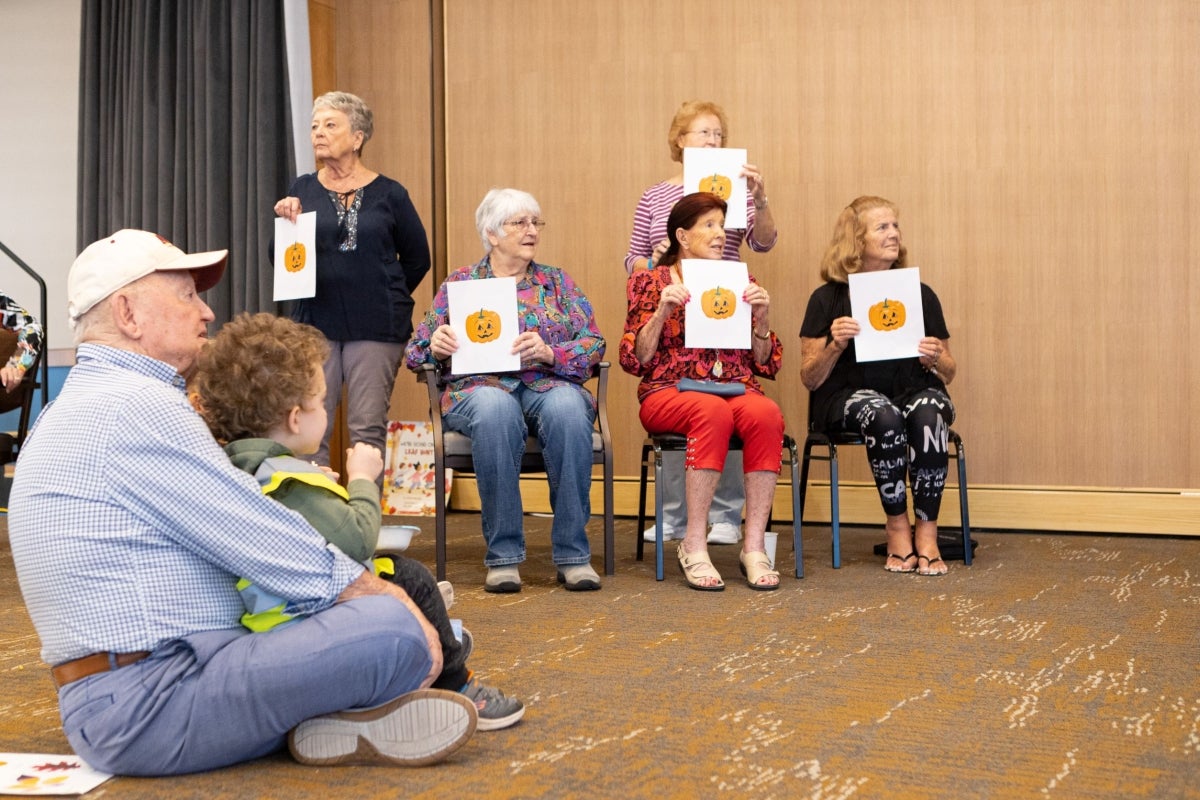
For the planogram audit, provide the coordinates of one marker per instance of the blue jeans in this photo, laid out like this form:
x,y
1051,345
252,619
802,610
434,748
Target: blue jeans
x,y
220,697
498,423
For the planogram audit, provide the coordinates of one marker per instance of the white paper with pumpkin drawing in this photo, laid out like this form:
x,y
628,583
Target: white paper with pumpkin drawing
x,y
296,257
887,307
716,316
717,170
483,314
44,774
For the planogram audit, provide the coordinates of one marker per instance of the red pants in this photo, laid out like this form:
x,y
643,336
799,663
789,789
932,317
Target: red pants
x,y
708,422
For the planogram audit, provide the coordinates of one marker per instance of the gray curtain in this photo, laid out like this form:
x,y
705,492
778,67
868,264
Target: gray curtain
x,y
184,131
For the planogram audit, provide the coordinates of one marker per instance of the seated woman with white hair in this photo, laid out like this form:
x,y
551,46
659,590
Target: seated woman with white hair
x,y
559,345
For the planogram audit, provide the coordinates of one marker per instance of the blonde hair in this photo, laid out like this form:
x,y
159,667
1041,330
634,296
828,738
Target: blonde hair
x,y
844,255
684,117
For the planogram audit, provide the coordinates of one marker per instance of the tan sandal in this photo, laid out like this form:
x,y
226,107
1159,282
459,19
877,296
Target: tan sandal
x,y
697,566
756,566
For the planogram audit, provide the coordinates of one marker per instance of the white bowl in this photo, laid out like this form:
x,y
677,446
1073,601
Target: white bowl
x,y
394,538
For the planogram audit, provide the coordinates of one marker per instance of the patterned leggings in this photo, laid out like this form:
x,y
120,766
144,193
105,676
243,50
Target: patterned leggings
x,y
911,442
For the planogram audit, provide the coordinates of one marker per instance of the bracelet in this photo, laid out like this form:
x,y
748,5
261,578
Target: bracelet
x,y
757,206
757,335
650,261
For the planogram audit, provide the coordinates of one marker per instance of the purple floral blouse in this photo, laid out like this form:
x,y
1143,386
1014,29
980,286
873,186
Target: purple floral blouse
x,y
549,302
673,361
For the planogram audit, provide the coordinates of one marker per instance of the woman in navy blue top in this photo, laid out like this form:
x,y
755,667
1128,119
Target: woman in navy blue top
x,y
371,256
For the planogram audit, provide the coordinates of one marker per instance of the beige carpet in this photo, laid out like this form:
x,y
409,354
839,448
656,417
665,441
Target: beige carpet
x,y
1055,666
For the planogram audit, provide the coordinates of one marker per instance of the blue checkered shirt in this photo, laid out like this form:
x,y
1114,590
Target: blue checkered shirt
x,y
129,525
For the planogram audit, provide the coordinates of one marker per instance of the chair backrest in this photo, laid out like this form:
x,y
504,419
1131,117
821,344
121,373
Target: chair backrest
x,y
19,398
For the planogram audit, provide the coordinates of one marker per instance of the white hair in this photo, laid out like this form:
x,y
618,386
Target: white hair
x,y
354,107
497,206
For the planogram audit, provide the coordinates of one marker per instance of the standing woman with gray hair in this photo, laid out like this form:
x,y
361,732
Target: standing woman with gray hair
x,y
371,256
559,344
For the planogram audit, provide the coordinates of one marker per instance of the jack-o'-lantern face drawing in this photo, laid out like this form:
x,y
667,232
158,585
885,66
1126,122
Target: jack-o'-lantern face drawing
x,y
718,303
294,257
887,315
483,327
719,185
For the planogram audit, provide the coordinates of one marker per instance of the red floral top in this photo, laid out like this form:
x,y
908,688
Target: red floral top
x,y
673,361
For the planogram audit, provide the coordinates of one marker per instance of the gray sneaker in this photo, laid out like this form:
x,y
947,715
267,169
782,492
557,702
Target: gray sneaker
x,y
468,643
415,729
495,710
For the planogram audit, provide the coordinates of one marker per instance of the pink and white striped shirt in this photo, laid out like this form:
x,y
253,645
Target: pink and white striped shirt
x,y
650,225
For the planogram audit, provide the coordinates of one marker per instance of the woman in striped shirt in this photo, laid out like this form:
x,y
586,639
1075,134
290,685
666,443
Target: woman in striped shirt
x,y
699,123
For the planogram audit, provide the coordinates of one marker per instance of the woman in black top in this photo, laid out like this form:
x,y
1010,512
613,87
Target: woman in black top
x,y
371,256
900,406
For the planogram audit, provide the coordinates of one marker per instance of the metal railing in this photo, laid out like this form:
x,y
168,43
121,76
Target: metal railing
x,y
44,361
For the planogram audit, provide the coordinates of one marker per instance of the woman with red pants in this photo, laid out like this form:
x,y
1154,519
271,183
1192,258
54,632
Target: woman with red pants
x,y
728,402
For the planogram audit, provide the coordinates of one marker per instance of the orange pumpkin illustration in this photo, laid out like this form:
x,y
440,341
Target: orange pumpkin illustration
x,y
484,326
718,303
294,257
887,315
716,184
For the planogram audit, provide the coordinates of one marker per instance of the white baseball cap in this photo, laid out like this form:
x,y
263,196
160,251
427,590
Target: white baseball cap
x,y
127,255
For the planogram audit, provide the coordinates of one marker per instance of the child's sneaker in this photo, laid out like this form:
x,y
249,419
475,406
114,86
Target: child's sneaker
x,y
447,590
495,710
466,640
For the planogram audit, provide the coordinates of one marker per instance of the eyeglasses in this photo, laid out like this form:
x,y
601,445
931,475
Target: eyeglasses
x,y
705,133
524,222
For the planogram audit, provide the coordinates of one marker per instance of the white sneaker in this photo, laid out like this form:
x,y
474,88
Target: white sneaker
x,y
724,533
414,730
668,534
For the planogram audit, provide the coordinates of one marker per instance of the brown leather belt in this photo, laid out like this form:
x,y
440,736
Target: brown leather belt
x,y
71,671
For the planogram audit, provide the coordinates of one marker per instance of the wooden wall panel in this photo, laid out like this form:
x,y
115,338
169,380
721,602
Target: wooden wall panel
x,y
1043,156
322,42
384,54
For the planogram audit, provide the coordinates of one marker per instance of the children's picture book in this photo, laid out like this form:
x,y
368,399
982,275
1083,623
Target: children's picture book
x,y
408,477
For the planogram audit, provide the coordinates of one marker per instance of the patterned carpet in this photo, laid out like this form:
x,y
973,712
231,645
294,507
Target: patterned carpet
x,y
1055,666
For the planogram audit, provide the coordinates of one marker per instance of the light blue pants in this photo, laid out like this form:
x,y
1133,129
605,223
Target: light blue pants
x,y
727,502
498,423
219,697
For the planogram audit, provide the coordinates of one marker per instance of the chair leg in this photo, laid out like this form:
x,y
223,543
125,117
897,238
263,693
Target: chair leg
x,y
610,556
961,457
808,445
439,525
834,510
770,513
799,494
658,514
797,543
641,523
